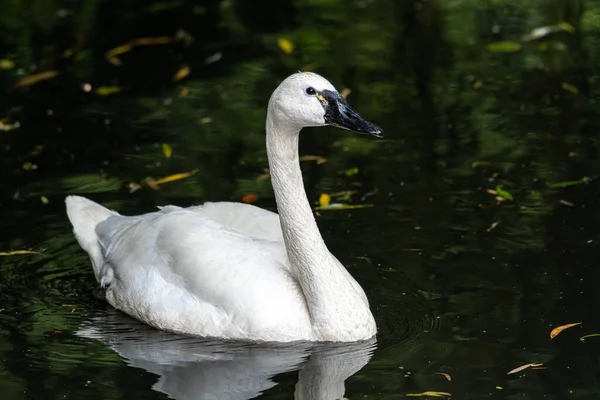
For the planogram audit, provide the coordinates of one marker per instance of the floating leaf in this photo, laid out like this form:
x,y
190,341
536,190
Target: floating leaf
x,y
133,187
28,166
285,45
153,183
345,92
504,47
583,180
522,367
249,198
589,336
324,199
335,207
561,328
351,171
112,54
566,203
147,41
448,377
107,90
429,394
33,79
543,31
503,193
5,126
318,159
181,73
17,253
6,64
493,225
569,88
167,150
44,200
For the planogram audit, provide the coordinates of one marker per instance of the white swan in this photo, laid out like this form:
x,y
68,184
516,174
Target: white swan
x,y
232,270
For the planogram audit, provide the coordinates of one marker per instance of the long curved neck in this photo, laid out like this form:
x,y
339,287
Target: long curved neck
x,y
305,246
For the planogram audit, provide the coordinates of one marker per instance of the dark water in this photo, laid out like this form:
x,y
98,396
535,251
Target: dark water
x,y
461,283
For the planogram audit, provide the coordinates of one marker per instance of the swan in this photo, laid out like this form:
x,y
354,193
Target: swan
x,y
232,270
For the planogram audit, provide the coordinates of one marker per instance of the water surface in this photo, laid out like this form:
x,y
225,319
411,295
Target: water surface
x,y
480,231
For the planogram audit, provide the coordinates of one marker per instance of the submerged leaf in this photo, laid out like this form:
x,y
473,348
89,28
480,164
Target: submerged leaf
x,y
107,90
33,79
6,64
285,45
569,88
561,328
504,47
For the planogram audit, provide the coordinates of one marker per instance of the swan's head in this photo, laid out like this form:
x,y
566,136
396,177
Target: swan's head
x,y
307,99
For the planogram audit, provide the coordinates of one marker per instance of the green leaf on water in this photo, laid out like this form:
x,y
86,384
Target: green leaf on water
x,y
583,180
351,171
588,336
503,193
504,47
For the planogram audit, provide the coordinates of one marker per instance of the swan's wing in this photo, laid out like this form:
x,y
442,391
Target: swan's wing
x,y
183,270
246,219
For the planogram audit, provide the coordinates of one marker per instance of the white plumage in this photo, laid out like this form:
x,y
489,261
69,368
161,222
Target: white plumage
x,y
232,270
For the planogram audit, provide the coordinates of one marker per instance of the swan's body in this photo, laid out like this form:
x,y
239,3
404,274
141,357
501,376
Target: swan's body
x,y
232,270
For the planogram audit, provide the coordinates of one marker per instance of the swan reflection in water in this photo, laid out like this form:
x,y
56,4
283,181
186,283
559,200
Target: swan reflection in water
x,y
194,368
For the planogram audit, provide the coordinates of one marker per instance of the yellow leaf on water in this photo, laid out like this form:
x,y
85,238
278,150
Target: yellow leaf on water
x,y
6,64
181,73
346,92
107,90
561,328
336,207
152,40
153,183
112,54
44,200
324,199
28,166
429,394
167,150
447,376
17,253
33,79
285,45
504,47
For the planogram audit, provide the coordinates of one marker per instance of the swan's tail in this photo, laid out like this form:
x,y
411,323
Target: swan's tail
x,y
85,215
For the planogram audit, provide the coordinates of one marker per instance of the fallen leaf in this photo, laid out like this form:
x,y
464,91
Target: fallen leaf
x,y
318,159
351,171
448,377
499,388
167,150
5,126
336,207
588,336
153,183
429,394
493,225
566,203
249,198
134,187
561,328
324,199
503,193
345,92
44,200
583,180
6,64
504,47
543,31
17,253
522,367
33,79
152,41
28,166
107,90
112,54
569,88
181,73
285,45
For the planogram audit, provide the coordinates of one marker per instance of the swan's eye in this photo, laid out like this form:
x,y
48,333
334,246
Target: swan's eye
x,y
311,91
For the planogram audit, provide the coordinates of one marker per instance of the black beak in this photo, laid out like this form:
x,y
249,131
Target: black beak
x,y
339,113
